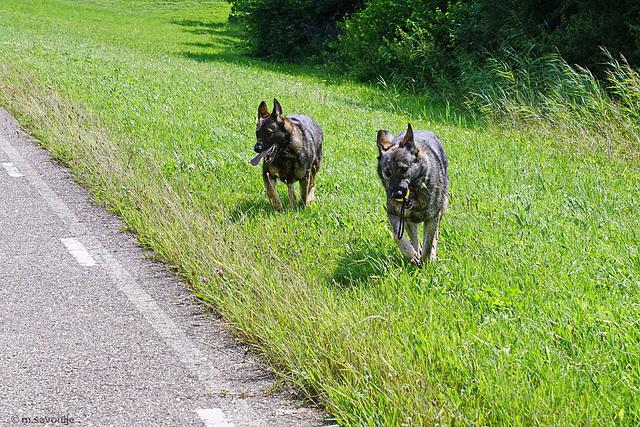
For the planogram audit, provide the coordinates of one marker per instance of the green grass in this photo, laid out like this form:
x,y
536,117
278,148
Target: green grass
x,y
564,102
530,318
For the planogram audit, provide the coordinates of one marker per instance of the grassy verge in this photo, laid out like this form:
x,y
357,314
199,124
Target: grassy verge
x,y
565,103
530,318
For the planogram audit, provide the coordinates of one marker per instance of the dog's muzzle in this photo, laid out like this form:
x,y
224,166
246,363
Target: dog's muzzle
x,y
268,155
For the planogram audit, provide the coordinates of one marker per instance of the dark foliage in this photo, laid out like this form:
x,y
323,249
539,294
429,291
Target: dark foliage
x,y
290,29
434,43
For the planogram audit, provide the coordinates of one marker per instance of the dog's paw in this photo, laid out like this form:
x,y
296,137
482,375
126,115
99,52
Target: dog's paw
x,y
432,257
413,257
276,205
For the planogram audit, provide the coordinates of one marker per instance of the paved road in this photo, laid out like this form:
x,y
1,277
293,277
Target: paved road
x,y
94,333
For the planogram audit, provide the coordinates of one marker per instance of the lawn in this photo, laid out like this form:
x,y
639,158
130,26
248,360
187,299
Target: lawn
x,y
531,315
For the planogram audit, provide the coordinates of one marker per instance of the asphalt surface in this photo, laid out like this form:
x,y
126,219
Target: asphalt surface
x,y
95,333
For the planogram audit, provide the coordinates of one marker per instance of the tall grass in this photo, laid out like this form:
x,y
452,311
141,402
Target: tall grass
x,y
565,103
530,317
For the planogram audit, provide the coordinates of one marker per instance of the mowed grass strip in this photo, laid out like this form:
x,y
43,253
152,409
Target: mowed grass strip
x,y
529,318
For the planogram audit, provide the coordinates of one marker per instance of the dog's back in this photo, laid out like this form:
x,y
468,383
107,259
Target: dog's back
x,y
431,142
433,156
311,139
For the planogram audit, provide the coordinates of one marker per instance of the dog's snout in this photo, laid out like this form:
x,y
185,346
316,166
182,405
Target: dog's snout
x,y
258,147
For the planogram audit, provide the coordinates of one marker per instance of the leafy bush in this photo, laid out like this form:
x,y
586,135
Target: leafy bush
x,y
407,40
432,43
583,26
289,29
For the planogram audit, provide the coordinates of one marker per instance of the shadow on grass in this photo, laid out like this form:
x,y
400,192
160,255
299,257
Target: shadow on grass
x,y
361,267
201,27
222,46
250,209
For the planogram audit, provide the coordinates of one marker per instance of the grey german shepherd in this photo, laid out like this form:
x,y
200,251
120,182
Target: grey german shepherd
x,y
291,150
413,169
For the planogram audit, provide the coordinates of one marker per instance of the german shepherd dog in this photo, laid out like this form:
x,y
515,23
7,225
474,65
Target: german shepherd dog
x,y
291,150
413,169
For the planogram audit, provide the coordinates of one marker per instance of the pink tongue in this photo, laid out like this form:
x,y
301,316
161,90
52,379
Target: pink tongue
x,y
256,159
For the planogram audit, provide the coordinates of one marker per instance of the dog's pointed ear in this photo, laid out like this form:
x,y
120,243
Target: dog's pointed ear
x,y
263,110
384,140
408,137
277,111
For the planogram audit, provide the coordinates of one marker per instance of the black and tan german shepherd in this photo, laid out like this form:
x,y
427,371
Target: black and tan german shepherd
x,y
291,150
413,168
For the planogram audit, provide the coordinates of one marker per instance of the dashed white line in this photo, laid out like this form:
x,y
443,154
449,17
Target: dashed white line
x,y
78,251
214,418
12,170
190,355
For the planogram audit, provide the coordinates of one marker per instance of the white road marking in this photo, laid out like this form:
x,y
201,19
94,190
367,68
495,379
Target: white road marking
x,y
213,418
78,251
12,171
189,354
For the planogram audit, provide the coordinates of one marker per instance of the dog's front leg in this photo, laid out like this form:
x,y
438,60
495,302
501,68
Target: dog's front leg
x,y
404,244
272,194
304,190
308,187
430,239
292,193
411,229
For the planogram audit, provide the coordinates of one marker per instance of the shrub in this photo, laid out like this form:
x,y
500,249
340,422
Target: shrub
x,y
433,43
404,40
289,29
